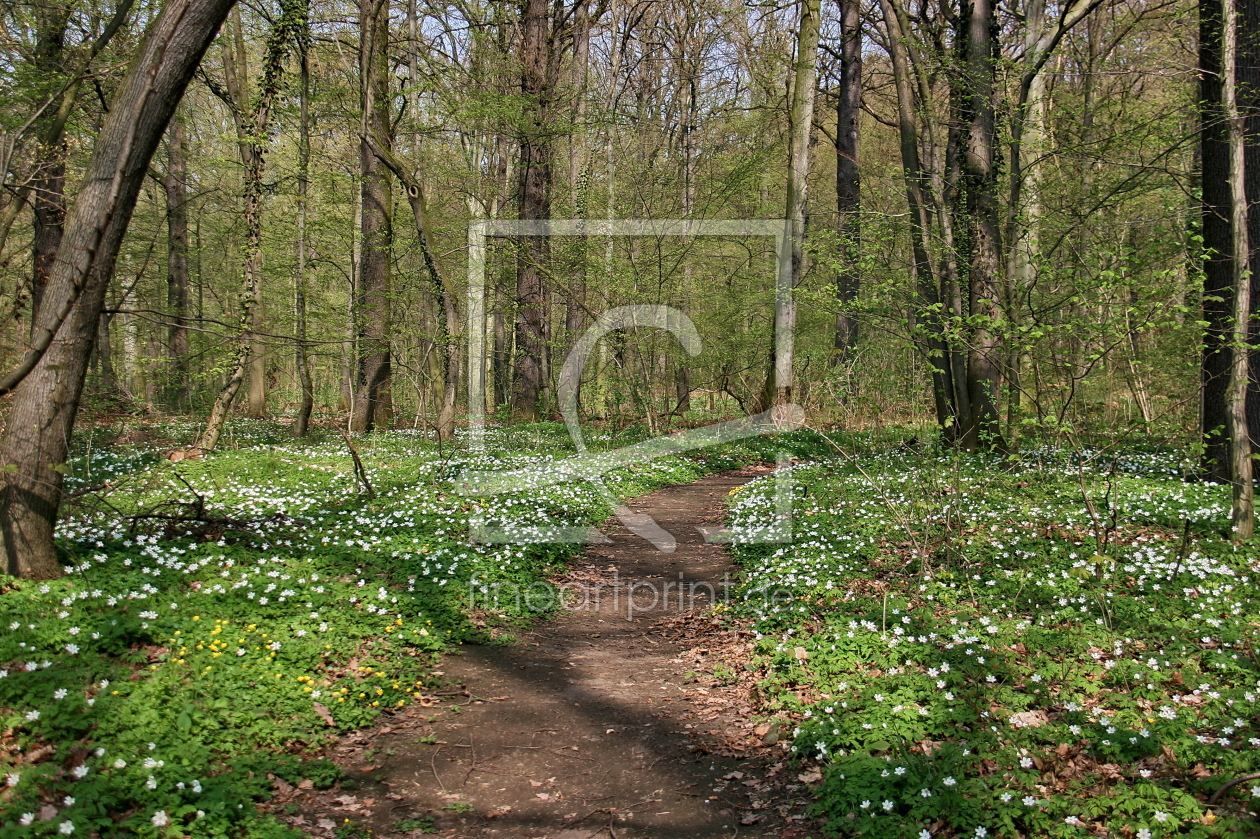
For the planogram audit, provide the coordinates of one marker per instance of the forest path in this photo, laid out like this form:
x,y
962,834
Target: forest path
x,y
598,724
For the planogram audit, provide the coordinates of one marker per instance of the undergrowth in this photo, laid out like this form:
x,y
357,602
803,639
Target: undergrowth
x,y
223,619
1059,646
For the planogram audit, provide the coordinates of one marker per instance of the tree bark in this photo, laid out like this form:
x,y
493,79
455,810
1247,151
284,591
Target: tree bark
x,y
250,135
534,252
848,179
48,186
1243,514
45,403
104,354
801,128
981,244
373,401
579,172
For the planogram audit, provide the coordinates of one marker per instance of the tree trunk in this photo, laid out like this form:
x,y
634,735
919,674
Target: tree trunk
x,y
502,355
1024,233
932,343
302,363
250,135
848,179
1240,464
373,402
535,205
448,325
579,173
37,436
350,345
48,187
981,243
1218,279
107,379
175,185
801,127
252,132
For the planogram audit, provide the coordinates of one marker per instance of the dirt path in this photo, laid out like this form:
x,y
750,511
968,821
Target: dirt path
x,y
604,722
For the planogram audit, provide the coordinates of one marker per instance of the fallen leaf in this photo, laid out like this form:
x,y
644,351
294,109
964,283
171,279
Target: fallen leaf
x,y
322,712
1030,719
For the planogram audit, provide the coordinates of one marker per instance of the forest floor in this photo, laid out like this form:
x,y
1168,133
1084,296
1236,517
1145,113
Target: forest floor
x,y
605,721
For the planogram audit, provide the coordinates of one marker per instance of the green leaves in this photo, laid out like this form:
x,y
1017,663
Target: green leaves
x,y
1033,666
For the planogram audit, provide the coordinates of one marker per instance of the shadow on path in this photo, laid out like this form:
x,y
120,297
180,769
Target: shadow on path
x,y
594,725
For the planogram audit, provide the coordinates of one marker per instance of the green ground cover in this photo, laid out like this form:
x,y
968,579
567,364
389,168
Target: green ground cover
x,y
180,662
1059,646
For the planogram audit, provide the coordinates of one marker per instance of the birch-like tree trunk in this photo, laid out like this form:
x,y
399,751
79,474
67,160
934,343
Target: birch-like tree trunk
x,y
801,126
1243,513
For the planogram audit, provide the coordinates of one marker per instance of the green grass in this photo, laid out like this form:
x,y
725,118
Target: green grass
x,y
178,665
972,647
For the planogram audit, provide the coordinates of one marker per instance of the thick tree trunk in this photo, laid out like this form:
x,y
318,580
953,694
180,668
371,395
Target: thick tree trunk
x,y
981,247
1024,229
373,402
175,185
848,179
251,129
37,436
535,204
